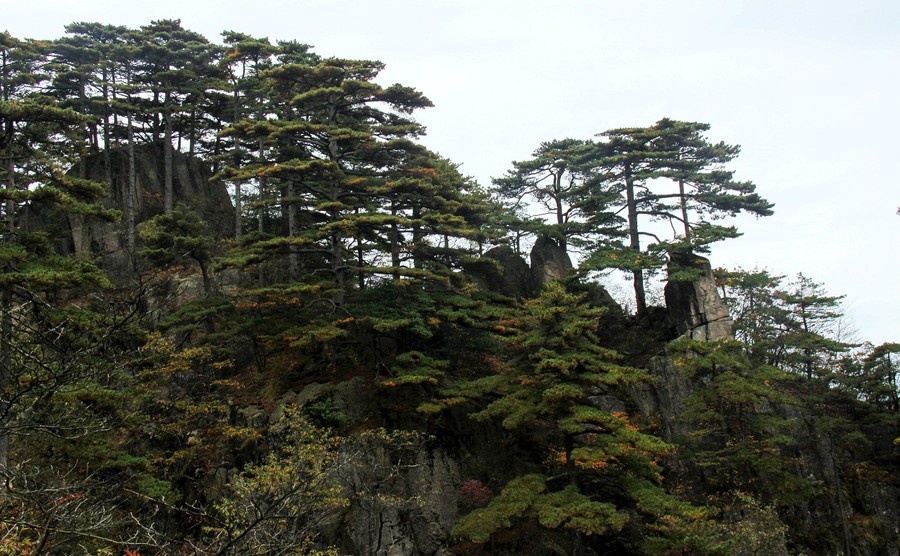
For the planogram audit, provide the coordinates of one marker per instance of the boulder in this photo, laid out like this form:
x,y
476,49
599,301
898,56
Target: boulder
x,y
502,270
106,242
549,262
694,306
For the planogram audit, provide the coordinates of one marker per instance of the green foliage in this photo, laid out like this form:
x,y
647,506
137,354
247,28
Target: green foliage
x,y
526,497
794,326
555,360
185,390
65,410
543,393
877,379
414,367
556,179
361,235
668,171
736,435
362,200
278,504
176,234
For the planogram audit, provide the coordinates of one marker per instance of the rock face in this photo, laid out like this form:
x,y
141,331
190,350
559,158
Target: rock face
x,y
549,262
513,277
106,242
403,493
695,307
409,507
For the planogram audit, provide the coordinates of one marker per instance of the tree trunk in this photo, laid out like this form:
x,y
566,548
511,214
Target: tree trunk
x,y
157,128
204,272
261,210
167,159
337,239
395,245
418,238
263,183
5,370
131,192
237,211
107,163
684,213
560,213
293,227
640,296
360,262
337,247
236,160
6,305
193,132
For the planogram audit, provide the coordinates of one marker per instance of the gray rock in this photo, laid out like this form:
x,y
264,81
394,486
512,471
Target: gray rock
x,y
502,270
695,307
549,262
106,242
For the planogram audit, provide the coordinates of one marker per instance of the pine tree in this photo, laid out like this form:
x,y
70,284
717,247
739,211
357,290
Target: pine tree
x,y
813,346
89,61
599,471
172,236
630,162
794,326
737,441
35,136
245,58
874,376
555,179
334,146
175,65
704,186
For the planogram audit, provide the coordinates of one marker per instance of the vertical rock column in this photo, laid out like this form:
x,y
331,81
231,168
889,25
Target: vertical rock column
x,y
695,307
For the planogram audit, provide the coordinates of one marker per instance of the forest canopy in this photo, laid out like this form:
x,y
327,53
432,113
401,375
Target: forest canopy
x,y
245,310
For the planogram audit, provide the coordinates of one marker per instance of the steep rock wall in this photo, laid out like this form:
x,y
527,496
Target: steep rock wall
x,y
107,242
695,307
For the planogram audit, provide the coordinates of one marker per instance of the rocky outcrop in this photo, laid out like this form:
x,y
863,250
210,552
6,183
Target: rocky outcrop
x,y
403,505
106,242
549,262
696,310
401,490
694,305
502,270
664,397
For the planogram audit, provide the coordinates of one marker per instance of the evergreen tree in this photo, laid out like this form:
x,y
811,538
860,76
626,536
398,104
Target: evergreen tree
x,y
555,179
874,376
794,326
335,146
705,187
736,439
629,163
91,70
35,134
175,66
177,234
73,63
599,471
813,347
245,58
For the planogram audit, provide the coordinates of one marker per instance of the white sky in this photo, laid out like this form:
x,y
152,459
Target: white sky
x,y
809,89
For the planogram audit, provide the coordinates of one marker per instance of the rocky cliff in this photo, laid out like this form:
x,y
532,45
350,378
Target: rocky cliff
x,y
106,242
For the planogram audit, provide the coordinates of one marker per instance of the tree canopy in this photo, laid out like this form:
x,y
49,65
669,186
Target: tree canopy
x,y
327,365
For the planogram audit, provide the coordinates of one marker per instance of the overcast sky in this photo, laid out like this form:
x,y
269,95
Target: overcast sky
x,y
809,89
